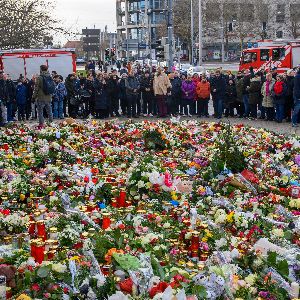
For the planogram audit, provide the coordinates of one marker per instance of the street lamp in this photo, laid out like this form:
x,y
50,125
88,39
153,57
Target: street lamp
x,y
200,33
192,32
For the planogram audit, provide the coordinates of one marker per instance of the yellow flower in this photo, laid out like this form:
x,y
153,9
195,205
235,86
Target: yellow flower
x,y
208,233
22,197
204,239
23,297
230,217
75,258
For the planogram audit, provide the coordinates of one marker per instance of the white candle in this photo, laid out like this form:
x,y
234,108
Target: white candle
x,y
295,290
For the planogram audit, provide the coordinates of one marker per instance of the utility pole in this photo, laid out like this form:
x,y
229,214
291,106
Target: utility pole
x,y
200,33
192,33
223,50
170,34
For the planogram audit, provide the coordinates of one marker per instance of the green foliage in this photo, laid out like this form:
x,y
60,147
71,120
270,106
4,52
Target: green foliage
x,y
228,153
156,140
127,262
280,265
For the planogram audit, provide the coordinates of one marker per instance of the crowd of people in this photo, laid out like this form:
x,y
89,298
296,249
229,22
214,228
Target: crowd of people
x,y
134,92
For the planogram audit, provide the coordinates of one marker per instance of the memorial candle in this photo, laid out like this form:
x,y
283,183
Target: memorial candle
x,y
106,221
122,199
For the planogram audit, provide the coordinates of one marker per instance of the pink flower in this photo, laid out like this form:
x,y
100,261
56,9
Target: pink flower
x,y
35,287
47,295
297,159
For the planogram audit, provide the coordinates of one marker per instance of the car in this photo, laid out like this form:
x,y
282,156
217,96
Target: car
x,y
184,68
200,70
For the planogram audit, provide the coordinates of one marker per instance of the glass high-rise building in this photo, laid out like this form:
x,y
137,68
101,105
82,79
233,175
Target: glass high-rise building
x,y
137,25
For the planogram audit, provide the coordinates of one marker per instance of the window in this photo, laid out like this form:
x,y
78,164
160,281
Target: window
x,y
264,26
279,34
280,16
249,57
278,54
264,54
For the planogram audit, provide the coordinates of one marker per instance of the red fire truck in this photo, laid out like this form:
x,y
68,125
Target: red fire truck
x,y
28,62
283,55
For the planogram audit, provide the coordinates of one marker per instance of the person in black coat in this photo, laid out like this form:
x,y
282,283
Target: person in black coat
x,y
218,88
11,102
176,91
280,92
290,97
147,94
246,86
89,86
296,94
101,95
113,94
122,93
230,99
3,99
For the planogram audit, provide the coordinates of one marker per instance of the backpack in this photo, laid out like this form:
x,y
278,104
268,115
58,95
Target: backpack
x,y
48,85
278,88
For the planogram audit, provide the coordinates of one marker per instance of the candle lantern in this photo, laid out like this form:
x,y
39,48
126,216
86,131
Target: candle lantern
x,y
41,230
31,228
106,220
39,252
122,199
53,233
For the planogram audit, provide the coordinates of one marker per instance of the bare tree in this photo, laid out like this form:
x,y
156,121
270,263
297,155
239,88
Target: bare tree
x,y
26,23
295,20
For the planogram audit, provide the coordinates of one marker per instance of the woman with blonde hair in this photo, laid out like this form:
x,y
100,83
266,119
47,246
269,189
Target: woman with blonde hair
x,y
267,94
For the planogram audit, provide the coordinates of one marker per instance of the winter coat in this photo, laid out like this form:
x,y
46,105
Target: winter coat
x,y
21,94
113,88
11,89
189,90
4,96
246,83
239,89
122,88
255,91
230,93
131,84
38,93
146,83
297,87
70,86
203,90
176,87
60,92
100,95
161,84
280,98
267,99
218,84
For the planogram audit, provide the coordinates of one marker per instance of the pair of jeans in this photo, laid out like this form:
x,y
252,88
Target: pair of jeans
x,y
41,104
296,112
162,105
10,116
279,112
203,107
58,109
131,105
246,105
147,103
21,112
219,102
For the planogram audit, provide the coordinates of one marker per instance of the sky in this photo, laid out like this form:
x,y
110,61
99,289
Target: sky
x,y
86,13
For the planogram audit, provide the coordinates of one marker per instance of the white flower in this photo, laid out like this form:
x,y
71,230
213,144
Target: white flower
x,y
166,225
220,243
278,232
59,268
251,279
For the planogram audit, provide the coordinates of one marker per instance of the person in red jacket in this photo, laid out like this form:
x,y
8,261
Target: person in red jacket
x,y
203,96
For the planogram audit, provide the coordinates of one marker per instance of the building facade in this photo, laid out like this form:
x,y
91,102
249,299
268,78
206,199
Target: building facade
x,y
239,24
235,24
137,25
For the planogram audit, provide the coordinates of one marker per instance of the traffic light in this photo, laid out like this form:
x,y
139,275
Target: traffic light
x,y
160,50
107,53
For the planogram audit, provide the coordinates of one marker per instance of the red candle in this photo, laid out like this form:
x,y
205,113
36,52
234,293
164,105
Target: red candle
x,y
39,253
195,241
106,221
41,230
33,249
122,199
31,228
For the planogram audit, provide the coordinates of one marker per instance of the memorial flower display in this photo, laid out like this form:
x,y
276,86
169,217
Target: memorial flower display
x,y
166,210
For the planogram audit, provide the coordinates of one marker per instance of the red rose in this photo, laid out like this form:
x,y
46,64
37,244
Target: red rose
x,y
126,286
160,288
35,287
